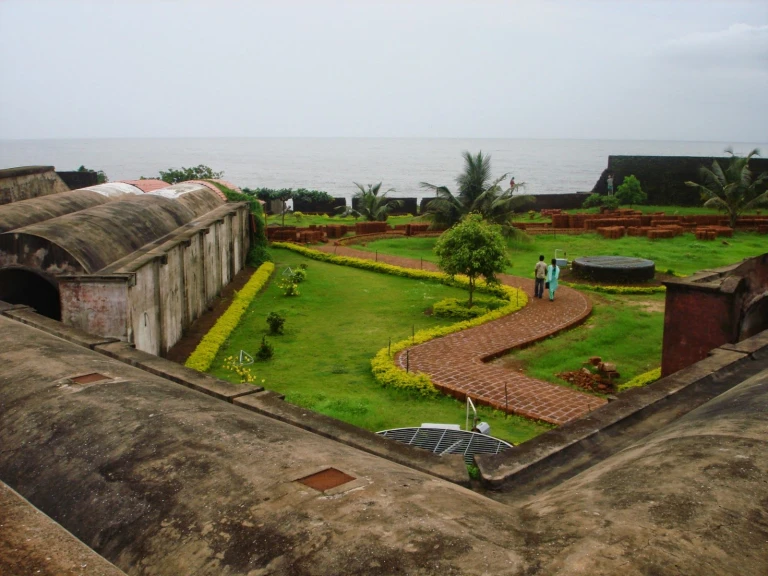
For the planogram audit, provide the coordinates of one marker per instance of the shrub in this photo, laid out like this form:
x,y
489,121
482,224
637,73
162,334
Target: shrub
x,y
276,323
303,266
266,350
630,191
642,380
299,275
455,308
299,216
289,287
596,200
203,356
383,366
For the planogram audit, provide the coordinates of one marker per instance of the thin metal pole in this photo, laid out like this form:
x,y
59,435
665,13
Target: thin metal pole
x,y
413,333
377,255
506,402
422,263
407,361
389,348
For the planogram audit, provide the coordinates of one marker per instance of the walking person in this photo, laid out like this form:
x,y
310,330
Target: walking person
x,y
553,273
540,274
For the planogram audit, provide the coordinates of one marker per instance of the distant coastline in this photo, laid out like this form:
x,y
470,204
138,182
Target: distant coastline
x,y
333,164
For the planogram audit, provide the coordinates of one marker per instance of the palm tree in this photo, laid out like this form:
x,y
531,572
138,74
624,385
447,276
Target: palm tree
x,y
371,205
477,193
733,189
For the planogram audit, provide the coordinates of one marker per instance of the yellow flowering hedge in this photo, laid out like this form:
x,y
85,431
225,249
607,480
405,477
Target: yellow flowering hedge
x,y
383,366
642,380
618,289
203,356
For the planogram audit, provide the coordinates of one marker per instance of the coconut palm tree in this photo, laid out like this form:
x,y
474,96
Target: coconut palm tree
x,y
477,193
371,205
732,189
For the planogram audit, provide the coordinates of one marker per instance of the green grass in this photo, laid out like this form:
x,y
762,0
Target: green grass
x,y
668,210
682,255
333,329
307,219
623,329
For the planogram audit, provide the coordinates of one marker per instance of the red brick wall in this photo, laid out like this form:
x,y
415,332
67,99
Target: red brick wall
x,y
695,322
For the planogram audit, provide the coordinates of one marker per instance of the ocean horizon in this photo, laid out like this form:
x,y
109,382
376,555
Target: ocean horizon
x,y
546,166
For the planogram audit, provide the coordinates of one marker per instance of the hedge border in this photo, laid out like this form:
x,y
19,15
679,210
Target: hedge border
x,y
205,353
642,380
383,366
617,289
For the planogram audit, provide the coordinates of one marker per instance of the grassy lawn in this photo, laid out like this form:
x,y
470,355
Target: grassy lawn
x,y
623,329
682,255
333,329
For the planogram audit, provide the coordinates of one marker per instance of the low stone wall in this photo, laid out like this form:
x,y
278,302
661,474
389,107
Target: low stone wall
x,y
29,182
663,178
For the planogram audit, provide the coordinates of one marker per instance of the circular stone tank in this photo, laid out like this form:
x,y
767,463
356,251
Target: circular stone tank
x,y
620,269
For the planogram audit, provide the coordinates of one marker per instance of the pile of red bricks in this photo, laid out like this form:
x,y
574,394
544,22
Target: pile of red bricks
x,y
638,230
726,231
611,232
371,227
762,229
336,230
311,236
656,233
705,234
551,211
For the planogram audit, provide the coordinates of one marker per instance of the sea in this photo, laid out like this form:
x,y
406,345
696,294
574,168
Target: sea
x,y
333,165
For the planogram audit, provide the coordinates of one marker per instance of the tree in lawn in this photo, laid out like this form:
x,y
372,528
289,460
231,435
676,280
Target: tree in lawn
x,y
473,248
477,193
201,172
630,192
733,189
371,205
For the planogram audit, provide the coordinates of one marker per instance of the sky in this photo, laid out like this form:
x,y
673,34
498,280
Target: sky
x,y
651,70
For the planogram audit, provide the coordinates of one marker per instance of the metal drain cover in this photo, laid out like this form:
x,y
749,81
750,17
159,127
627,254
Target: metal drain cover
x,y
326,479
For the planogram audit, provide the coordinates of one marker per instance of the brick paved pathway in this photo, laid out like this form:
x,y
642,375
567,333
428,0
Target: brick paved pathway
x,y
458,363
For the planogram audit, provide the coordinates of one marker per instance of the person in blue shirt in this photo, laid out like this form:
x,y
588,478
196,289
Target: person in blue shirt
x,y
553,273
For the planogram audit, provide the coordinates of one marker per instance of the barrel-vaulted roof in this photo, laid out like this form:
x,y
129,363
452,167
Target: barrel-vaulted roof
x,y
26,212
89,240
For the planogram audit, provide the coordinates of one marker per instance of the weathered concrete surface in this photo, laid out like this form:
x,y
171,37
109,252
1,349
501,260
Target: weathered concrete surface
x,y
163,480
553,457
160,479
691,499
28,316
450,467
31,543
26,182
26,212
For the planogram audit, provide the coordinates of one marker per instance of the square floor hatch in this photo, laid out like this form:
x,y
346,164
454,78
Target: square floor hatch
x,y
326,479
89,378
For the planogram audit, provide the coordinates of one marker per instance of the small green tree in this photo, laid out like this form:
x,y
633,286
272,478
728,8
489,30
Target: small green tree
x,y
201,172
630,192
473,248
732,190
599,200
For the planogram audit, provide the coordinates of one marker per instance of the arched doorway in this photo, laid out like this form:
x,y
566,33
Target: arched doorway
x,y
24,286
755,319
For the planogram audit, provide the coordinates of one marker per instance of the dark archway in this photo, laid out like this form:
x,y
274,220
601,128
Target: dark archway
x,y
23,286
755,319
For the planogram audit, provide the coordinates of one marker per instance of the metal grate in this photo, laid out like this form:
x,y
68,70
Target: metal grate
x,y
326,479
442,441
89,378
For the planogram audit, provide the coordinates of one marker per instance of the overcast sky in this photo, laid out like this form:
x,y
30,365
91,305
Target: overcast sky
x,y
668,70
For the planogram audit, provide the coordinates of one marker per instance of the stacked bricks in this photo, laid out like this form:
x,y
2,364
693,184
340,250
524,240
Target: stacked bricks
x,y
560,221
705,234
371,228
676,229
638,230
725,231
336,230
551,211
762,229
611,232
655,233
311,236
282,233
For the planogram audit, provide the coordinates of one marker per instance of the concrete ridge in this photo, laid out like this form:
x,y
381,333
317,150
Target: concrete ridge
x,y
458,364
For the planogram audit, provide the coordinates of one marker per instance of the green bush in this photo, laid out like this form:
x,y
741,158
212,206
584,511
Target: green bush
x,y
266,350
276,323
455,308
299,275
630,191
203,356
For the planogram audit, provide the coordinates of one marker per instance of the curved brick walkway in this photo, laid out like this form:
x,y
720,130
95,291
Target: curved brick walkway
x,y
457,363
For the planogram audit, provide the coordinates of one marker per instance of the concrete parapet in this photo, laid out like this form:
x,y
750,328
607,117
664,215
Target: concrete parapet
x,y
32,543
559,454
450,467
